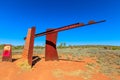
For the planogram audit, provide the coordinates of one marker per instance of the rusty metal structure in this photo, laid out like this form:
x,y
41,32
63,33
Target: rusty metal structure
x,y
51,38
76,25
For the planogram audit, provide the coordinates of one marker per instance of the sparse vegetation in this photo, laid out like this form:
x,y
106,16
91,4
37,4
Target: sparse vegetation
x,y
24,65
107,57
63,45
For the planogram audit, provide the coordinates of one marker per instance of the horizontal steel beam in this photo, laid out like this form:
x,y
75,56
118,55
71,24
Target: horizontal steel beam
x,y
76,25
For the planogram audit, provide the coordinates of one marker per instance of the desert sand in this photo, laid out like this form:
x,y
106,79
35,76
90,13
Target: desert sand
x,y
84,69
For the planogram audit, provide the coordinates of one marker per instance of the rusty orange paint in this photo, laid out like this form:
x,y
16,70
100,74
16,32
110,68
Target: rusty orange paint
x,y
29,45
50,48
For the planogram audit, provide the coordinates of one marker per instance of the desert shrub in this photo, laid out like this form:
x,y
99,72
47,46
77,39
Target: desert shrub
x,y
17,47
24,65
62,45
115,48
1,46
39,47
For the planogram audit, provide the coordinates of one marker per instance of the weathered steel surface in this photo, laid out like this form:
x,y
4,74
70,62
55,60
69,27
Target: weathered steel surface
x,y
76,25
7,53
29,45
51,37
50,47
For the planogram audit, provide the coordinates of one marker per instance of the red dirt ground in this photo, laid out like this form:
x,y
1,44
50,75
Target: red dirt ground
x,y
86,69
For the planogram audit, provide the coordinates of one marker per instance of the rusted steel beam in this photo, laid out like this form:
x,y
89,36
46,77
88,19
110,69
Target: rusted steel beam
x,y
76,25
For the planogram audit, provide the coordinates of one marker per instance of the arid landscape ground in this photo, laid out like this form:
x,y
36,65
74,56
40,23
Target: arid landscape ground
x,y
73,64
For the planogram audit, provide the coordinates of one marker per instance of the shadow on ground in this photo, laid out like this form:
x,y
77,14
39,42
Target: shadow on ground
x,y
13,60
35,59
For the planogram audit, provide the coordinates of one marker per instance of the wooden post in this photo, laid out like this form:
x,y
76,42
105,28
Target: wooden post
x,y
50,47
7,53
29,45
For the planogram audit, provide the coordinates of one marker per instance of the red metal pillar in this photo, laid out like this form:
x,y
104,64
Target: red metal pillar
x,y
7,53
29,45
50,47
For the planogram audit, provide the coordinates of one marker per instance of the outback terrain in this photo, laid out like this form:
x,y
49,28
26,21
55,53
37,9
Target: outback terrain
x,y
75,63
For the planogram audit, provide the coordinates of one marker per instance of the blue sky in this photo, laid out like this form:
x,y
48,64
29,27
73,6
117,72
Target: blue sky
x,y
16,16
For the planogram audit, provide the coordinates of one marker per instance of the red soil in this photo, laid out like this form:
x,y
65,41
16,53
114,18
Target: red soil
x,y
54,70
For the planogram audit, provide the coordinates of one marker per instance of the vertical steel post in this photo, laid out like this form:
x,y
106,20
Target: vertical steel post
x,y
50,47
29,45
